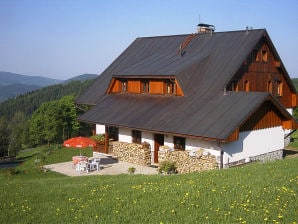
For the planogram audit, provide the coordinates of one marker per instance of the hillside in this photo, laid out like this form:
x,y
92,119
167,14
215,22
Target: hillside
x,y
10,91
81,78
12,85
28,103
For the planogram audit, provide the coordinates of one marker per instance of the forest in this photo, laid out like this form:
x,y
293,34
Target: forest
x,y
44,116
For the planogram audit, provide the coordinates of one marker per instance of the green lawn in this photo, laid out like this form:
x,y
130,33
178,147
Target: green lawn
x,y
256,193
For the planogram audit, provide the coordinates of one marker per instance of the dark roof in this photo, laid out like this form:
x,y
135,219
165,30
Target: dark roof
x,y
216,118
203,63
207,65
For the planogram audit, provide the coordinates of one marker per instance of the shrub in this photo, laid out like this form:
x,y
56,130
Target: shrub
x,y
131,170
167,167
98,138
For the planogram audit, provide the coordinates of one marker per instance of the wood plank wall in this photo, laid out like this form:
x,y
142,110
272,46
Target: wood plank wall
x,y
266,117
256,75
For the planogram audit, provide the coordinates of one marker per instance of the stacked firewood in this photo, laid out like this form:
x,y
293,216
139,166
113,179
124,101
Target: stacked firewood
x,y
188,162
131,152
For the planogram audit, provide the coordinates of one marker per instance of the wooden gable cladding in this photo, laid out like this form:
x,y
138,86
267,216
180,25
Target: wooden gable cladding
x,y
290,124
233,137
154,86
266,116
261,72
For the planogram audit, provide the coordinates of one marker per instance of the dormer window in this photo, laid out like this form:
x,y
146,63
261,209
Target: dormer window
x,y
170,87
145,86
123,85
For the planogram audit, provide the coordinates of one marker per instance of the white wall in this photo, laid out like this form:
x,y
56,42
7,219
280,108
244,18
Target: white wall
x,y
252,143
100,129
125,135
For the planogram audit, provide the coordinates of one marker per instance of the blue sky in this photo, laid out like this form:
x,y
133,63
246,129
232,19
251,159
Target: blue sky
x,y
64,38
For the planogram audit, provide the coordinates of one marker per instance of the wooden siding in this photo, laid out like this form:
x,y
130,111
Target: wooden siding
x,y
234,136
261,73
265,117
134,86
156,87
115,86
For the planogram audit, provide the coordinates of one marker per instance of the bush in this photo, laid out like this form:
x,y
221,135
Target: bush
x,y
131,170
167,167
98,138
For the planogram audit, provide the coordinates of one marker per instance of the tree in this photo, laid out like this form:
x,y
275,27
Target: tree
x,y
54,121
15,128
4,135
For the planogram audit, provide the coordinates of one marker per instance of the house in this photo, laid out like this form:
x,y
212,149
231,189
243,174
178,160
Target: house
x,y
227,93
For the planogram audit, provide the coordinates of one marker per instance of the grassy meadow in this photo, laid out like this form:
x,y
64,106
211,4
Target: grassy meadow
x,y
255,193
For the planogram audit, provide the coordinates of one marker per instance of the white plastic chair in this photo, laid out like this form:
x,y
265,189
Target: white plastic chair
x,y
83,166
94,165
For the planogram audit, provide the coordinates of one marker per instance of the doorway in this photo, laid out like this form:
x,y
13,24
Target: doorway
x,y
158,141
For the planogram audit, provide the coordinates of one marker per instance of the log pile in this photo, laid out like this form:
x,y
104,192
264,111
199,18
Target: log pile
x,y
185,163
131,152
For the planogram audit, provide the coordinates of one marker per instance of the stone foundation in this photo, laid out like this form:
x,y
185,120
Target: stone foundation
x,y
131,152
198,161
278,154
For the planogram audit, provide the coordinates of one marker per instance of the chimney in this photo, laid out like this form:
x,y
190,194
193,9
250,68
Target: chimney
x,y
205,28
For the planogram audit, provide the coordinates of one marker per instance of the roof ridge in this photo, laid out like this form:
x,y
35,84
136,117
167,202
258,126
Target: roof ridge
x,y
213,33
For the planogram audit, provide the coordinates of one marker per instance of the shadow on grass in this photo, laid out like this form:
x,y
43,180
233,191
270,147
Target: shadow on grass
x,y
290,152
22,159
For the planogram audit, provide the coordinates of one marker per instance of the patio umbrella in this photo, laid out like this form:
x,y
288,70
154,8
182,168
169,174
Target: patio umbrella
x,y
79,142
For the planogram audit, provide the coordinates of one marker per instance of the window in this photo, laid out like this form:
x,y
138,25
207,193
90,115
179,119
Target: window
x,y
113,133
269,87
232,86
124,86
145,86
170,87
255,55
179,143
278,88
264,56
136,136
246,85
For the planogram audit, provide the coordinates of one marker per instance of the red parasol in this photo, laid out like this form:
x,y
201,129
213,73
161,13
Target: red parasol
x,y
79,142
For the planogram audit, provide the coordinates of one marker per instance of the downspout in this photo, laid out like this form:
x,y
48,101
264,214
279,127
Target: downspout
x,y
106,146
221,156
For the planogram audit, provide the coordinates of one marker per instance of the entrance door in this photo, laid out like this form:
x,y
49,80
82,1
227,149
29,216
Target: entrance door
x,y
158,141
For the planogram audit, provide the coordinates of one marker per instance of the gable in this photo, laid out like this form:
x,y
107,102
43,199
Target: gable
x,y
266,116
263,71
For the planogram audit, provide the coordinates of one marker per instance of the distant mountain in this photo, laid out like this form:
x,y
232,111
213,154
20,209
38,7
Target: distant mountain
x,y
8,78
12,85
